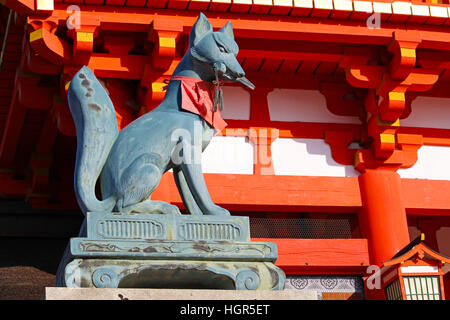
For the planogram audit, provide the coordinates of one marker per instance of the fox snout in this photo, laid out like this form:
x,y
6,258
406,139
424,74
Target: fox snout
x,y
223,70
236,74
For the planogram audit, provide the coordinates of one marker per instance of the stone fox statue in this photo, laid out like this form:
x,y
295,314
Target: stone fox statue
x,y
130,163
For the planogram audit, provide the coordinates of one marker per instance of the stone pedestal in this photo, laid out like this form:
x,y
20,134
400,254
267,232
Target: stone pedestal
x,y
171,251
175,294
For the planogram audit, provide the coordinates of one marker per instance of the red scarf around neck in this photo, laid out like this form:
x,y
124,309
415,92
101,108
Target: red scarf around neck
x,y
196,97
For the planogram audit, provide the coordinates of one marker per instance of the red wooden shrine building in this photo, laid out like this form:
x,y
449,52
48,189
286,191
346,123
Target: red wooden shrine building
x,y
341,155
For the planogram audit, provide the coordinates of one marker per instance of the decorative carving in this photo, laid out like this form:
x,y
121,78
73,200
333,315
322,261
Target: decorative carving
x,y
96,247
299,283
238,275
247,280
209,231
200,249
125,229
105,278
73,274
329,283
325,283
117,226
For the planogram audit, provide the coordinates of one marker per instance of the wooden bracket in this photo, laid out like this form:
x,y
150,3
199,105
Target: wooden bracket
x,y
392,92
383,133
164,34
386,101
83,39
339,142
31,62
403,47
342,99
50,47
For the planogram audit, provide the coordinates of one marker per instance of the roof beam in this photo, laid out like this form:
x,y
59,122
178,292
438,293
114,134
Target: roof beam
x,y
256,26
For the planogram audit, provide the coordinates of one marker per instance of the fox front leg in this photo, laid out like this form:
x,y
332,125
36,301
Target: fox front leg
x,y
188,200
194,178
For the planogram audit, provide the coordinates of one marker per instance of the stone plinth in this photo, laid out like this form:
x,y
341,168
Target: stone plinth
x,y
175,294
171,251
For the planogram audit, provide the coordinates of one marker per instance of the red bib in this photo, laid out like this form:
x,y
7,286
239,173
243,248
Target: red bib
x,y
196,97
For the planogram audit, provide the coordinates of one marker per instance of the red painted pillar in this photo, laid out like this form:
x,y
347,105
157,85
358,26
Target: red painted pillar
x,y
383,216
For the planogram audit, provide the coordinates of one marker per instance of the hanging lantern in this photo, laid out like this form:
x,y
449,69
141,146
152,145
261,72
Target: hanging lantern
x,y
415,273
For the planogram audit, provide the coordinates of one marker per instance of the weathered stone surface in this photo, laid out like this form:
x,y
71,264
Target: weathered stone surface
x,y
144,226
167,251
174,250
174,294
149,243
177,274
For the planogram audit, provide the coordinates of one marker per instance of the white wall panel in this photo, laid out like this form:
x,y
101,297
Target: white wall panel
x,y
428,112
433,163
304,106
228,155
236,103
419,269
306,157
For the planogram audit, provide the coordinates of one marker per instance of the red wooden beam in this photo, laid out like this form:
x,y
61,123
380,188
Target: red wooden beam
x,y
270,192
118,66
426,197
304,193
306,255
292,55
259,26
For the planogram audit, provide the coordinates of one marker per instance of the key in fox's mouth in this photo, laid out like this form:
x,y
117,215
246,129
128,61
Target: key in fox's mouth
x,y
242,80
246,82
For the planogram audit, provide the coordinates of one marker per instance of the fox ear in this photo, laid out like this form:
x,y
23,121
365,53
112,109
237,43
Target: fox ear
x,y
200,29
228,30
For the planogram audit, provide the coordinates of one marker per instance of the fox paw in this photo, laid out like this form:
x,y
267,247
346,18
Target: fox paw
x,y
170,209
151,207
217,211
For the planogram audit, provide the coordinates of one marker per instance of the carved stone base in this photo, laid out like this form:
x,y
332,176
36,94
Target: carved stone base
x,y
166,251
176,274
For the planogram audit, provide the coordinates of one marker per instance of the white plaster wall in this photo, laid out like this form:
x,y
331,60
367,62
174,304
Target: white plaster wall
x,y
304,106
428,112
228,155
236,103
433,163
307,157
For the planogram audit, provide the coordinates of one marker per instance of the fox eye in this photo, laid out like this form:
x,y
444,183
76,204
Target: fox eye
x,y
222,49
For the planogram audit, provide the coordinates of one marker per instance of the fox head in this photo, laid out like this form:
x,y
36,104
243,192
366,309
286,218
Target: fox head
x,y
217,50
